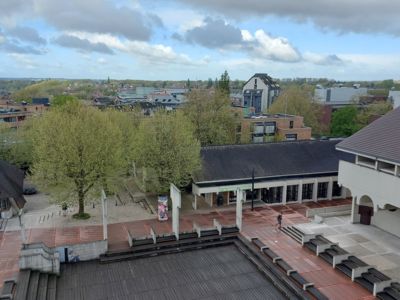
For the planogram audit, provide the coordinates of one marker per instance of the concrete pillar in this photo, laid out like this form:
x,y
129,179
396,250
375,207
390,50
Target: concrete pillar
x,y
284,193
240,196
105,214
300,192
315,190
355,216
175,195
259,194
330,188
194,204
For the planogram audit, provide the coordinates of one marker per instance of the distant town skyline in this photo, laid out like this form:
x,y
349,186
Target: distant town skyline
x,y
199,39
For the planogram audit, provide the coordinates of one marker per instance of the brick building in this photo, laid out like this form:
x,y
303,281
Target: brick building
x,y
276,127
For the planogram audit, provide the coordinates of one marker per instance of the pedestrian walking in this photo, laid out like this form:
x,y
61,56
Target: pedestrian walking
x,y
279,221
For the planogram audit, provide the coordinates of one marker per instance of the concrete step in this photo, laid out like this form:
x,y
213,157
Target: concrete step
x,y
293,234
8,290
42,288
365,283
51,287
33,285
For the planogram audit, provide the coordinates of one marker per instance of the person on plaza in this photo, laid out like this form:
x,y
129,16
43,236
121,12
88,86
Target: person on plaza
x,y
279,220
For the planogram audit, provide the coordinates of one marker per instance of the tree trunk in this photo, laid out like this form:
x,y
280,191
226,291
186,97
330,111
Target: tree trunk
x,y
81,199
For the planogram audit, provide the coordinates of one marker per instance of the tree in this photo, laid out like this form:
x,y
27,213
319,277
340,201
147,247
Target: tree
x,y
60,100
298,101
344,121
210,83
373,111
76,152
188,84
223,83
15,145
168,150
212,117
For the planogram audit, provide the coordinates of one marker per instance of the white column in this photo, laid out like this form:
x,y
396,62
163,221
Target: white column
x,y
240,196
175,195
195,202
284,192
355,217
330,188
300,192
315,190
105,214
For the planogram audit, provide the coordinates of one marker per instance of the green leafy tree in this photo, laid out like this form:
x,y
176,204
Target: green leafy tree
x,y
76,152
296,100
210,83
344,121
372,112
223,83
15,145
212,116
167,150
60,100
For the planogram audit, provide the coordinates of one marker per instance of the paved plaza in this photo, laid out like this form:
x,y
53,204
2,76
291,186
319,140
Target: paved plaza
x,y
369,243
258,223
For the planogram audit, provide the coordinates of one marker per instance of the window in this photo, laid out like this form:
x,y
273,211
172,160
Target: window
x,y
322,190
307,191
255,83
232,197
291,137
270,128
291,124
273,195
248,195
291,193
336,190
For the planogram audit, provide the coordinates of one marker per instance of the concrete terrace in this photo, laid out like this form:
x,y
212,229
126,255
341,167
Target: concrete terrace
x,y
258,223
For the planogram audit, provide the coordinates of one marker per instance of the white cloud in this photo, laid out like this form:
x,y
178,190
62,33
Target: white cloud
x,y
102,61
323,59
144,51
273,48
247,36
23,60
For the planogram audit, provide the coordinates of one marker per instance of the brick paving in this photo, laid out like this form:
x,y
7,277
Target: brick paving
x,y
258,223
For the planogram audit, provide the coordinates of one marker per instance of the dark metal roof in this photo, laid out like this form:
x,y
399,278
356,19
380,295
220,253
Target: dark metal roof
x,y
266,79
269,160
11,183
380,139
221,272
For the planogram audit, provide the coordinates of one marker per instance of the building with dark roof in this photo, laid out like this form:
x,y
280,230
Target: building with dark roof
x,y
259,92
374,177
283,172
11,189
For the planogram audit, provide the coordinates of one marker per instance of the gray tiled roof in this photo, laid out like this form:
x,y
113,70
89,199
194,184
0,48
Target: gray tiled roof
x,y
214,273
380,139
299,158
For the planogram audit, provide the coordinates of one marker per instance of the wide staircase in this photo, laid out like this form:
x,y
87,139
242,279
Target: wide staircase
x,y
32,285
380,285
157,244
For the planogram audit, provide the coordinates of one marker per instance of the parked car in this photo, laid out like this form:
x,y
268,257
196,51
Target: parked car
x,y
30,190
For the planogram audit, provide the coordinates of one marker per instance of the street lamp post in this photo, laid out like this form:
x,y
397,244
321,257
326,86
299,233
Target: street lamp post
x,y
252,190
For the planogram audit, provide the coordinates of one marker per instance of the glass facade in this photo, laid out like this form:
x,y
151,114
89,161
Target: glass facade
x,y
307,191
322,190
292,193
336,190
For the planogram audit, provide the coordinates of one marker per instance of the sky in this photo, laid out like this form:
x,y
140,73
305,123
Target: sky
x,y
199,39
